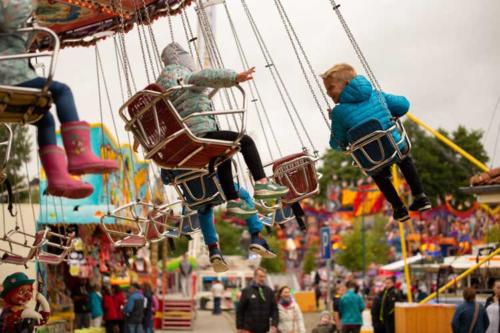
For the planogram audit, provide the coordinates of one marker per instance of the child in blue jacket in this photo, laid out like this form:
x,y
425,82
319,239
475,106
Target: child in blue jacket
x,y
357,102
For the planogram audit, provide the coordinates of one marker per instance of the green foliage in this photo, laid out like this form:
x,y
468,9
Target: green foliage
x,y
493,234
441,169
377,250
310,260
276,265
336,167
229,237
20,154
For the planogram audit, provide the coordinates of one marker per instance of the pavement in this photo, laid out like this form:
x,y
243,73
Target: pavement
x,y
205,322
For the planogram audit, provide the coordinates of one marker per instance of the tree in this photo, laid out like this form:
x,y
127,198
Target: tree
x,y
377,251
441,169
310,260
336,167
276,265
19,155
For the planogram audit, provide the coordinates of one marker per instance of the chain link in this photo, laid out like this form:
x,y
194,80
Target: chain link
x,y
291,35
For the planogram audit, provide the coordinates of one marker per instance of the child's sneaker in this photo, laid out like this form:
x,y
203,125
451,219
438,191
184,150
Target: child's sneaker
x,y
401,214
420,204
217,260
259,246
269,191
239,209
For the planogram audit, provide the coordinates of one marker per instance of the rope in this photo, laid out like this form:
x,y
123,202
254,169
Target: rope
x,y
290,30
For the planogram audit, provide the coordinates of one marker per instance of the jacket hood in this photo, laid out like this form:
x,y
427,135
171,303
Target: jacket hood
x,y
174,54
358,90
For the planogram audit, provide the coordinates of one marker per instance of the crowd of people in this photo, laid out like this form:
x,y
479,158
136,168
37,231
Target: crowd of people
x,y
119,311
261,309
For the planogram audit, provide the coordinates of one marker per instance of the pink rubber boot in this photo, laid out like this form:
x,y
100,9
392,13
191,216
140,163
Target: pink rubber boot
x,y
81,159
61,183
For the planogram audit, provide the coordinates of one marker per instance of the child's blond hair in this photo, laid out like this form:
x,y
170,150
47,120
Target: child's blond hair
x,y
342,72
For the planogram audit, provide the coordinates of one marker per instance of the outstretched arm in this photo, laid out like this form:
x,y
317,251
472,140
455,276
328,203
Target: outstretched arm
x,y
398,105
220,78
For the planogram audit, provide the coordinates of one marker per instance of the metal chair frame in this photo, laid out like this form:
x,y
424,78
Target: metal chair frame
x,y
155,147
36,251
39,98
6,156
377,136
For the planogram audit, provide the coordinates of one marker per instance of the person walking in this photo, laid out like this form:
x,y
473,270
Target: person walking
x,y
81,304
217,293
95,299
110,311
149,308
351,307
290,315
119,300
134,309
185,269
470,316
257,311
493,309
389,296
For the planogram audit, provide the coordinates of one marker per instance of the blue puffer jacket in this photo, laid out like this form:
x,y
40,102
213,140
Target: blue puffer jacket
x,y
359,102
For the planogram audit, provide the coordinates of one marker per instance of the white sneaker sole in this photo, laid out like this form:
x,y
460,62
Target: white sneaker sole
x,y
241,213
263,194
262,251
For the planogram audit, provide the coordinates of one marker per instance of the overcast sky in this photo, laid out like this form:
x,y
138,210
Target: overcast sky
x,y
443,55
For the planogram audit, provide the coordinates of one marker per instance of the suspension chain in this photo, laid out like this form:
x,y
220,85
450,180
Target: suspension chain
x,y
296,43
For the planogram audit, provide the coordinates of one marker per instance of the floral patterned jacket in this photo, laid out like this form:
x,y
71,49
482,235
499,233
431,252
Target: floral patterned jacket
x,y
196,99
13,15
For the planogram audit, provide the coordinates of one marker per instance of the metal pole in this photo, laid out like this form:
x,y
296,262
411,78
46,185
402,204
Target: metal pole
x,y
405,256
363,243
329,283
449,143
463,275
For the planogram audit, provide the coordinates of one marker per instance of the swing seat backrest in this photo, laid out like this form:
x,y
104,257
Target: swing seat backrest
x,y
198,192
166,139
190,224
131,241
23,105
373,147
298,173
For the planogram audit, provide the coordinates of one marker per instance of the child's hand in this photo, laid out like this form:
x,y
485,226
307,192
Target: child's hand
x,y
246,75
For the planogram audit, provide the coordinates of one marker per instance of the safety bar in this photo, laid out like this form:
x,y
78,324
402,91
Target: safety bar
x,y
5,158
53,54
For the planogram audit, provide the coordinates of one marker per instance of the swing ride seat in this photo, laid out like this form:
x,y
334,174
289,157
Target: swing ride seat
x,y
279,216
373,148
27,105
190,224
198,189
9,257
165,136
298,173
128,217
163,223
53,258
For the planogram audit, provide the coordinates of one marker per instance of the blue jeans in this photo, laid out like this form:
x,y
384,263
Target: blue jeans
x,y
217,306
135,328
65,107
207,219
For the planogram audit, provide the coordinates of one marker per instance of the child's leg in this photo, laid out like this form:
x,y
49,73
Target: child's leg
x,y
206,216
254,224
410,173
62,95
383,181
46,130
248,150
